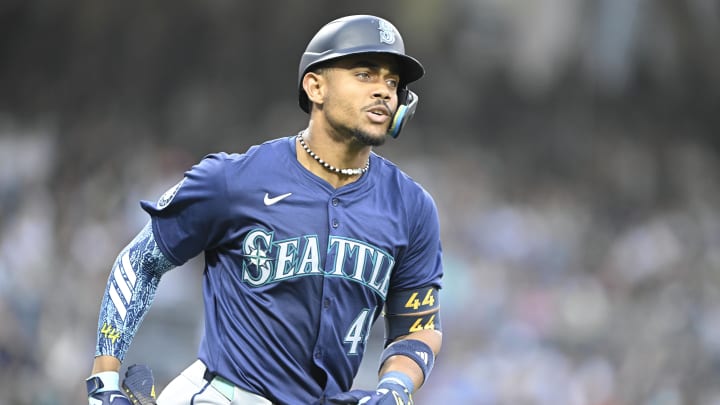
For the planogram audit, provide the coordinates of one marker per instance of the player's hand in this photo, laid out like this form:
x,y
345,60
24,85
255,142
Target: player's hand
x,y
387,393
109,398
103,389
139,385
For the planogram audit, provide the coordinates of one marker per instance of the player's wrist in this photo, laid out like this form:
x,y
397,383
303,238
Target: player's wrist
x,y
106,362
396,378
415,350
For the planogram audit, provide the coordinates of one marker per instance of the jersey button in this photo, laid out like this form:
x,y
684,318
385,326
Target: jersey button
x,y
335,202
335,223
318,354
326,303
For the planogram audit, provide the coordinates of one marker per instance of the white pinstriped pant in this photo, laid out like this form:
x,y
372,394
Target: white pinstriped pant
x,y
191,387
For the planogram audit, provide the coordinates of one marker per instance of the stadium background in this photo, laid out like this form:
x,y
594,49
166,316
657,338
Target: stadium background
x,y
571,145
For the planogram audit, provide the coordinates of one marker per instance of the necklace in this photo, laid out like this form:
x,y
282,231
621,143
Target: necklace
x,y
347,172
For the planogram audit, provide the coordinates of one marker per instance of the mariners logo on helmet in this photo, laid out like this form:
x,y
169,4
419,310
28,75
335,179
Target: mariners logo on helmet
x,y
387,32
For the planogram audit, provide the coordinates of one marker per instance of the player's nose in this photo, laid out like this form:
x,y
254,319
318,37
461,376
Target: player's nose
x,y
382,92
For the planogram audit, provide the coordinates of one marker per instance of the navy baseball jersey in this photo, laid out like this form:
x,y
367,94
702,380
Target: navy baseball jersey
x,y
296,271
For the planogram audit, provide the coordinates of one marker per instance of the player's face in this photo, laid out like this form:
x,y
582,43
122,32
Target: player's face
x,y
361,97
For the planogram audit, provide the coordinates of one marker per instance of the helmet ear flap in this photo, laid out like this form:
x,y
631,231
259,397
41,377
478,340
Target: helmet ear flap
x,y
407,104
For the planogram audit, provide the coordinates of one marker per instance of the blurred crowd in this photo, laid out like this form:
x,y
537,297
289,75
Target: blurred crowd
x,y
572,147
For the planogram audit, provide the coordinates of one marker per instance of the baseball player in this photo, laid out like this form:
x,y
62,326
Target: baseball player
x,y
307,240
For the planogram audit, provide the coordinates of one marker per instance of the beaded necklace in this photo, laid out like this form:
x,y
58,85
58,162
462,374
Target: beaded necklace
x,y
346,172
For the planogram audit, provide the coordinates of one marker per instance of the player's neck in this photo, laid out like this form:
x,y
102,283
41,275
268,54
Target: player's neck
x,y
338,163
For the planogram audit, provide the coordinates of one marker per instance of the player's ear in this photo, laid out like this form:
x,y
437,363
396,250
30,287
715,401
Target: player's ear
x,y
314,85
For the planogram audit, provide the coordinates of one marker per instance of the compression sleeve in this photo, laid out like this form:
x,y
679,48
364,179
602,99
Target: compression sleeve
x,y
129,293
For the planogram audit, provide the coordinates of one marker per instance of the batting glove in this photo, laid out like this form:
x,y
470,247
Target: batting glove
x,y
103,389
139,385
390,391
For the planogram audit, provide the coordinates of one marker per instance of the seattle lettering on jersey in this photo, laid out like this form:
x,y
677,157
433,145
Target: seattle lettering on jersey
x,y
269,261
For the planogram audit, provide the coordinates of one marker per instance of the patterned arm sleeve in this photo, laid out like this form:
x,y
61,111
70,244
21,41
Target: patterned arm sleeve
x,y
129,293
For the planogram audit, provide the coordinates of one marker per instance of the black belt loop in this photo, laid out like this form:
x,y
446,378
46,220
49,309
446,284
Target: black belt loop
x,y
209,376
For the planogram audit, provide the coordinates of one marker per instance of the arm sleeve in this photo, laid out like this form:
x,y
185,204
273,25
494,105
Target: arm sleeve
x,y
129,293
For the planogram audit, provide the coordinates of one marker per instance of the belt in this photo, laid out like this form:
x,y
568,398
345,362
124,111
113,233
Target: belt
x,y
225,387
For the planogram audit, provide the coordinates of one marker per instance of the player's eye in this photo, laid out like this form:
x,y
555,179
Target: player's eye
x,y
393,83
363,75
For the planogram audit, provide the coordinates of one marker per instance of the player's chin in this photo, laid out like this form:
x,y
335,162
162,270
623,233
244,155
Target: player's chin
x,y
372,135
371,138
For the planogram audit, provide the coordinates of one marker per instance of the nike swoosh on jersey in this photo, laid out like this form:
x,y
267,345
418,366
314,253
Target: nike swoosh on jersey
x,y
273,200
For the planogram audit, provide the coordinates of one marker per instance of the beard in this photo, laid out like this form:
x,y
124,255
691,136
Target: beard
x,y
366,138
356,133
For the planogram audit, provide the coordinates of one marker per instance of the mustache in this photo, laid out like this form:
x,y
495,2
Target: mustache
x,y
381,103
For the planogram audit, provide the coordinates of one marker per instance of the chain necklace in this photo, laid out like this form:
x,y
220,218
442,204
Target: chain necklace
x,y
346,172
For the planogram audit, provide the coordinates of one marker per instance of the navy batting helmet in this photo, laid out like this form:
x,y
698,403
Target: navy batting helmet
x,y
357,34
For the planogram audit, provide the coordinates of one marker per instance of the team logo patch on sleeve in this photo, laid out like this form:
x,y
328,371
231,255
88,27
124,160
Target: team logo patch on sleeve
x,y
168,196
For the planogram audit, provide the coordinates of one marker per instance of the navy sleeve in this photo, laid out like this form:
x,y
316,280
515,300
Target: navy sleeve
x,y
189,217
421,265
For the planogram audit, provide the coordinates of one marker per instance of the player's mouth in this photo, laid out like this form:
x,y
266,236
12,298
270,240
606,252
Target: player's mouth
x,y
378,113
